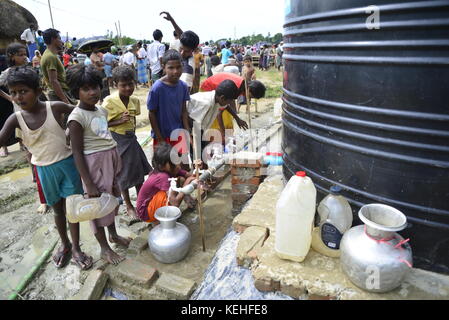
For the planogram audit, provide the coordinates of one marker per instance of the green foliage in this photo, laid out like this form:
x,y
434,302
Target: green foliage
x,y
250,40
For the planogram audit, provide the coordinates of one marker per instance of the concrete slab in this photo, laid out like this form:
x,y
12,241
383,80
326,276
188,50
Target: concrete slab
x,y
93,287
175,287
319,277
135,273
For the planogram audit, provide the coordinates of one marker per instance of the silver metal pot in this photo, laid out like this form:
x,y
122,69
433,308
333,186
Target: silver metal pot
x,y
170,241
374,257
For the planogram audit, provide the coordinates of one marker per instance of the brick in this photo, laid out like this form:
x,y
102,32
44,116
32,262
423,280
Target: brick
x,y
252,238
136,273
138,245
245,188
267,285
139,227
175,286
93,286
247,160
256,181
292,291
239,228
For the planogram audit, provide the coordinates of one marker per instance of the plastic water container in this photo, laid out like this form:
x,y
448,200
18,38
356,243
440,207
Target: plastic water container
x,y
295,212
334,219
80,209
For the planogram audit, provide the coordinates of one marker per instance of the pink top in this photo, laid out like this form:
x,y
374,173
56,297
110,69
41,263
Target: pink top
x,y
156,182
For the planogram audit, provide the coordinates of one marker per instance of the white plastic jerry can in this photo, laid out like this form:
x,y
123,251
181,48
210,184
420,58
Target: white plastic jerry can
x,y
295,212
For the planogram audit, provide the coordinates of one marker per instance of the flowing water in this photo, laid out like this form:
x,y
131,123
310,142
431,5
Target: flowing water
x,y
225,280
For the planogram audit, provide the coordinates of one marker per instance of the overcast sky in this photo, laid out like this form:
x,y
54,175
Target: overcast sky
x,y
211,20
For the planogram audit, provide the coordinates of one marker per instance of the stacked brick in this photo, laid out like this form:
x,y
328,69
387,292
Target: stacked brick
x,y
247,170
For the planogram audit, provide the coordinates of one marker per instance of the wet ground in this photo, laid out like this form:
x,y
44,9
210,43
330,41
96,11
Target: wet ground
x,y
25,234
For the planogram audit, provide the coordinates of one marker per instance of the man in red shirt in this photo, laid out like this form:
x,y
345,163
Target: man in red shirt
x,y
225,119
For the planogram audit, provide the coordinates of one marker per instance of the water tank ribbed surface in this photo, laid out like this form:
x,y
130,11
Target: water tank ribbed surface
x,y
368,109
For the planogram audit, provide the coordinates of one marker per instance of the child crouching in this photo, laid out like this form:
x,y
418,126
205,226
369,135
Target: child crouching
x,y
155,191
95,152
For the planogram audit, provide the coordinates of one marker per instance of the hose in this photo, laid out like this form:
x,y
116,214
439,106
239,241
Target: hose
x,y
27,278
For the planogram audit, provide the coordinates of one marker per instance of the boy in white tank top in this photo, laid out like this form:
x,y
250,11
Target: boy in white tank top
x,y
45,139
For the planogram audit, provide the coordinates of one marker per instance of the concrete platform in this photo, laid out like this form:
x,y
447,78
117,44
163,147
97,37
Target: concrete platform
x,y
318,277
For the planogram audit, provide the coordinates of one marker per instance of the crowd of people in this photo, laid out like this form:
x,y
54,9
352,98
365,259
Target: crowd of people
x,y
56,100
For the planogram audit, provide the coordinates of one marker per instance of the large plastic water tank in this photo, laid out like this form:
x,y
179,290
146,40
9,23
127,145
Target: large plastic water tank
x,y
366,107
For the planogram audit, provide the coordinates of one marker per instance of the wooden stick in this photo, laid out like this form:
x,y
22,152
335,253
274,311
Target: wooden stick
x,y
248,107
200,202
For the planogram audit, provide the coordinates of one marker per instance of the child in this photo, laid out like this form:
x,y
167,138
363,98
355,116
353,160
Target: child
x,y
45,139
167,104
95,152
17,56
123,109
249,72
189,42
204,108
256,90
154,193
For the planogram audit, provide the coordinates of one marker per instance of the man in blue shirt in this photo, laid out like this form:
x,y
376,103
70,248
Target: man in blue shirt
x,y
226,53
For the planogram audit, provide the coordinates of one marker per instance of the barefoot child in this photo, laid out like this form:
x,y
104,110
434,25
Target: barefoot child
x,y
95,152
44,137
123,108
154,193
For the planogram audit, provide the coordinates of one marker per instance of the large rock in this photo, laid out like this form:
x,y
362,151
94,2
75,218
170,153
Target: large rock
x,y
15,19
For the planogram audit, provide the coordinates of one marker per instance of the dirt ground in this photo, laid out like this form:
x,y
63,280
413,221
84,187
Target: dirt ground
x,y
25,234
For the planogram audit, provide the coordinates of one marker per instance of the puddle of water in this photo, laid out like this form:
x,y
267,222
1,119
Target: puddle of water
x,y
225,280
10,278
15,175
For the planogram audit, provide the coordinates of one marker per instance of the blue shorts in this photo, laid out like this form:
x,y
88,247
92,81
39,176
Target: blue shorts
x,y
60,180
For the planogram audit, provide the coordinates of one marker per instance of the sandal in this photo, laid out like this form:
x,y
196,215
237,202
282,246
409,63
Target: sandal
x,y
62,258
83,261
3,153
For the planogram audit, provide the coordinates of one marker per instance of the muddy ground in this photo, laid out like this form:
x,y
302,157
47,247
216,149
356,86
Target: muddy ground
x,y
25,234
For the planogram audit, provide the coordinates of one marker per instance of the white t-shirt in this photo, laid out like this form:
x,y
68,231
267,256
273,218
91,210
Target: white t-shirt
x,y
28,36
142,53
175,45
96,134
203,110
206,50
129,59
156,51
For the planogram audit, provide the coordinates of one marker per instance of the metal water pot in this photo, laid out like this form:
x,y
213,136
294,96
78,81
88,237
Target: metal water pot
x,y
170,241
373,256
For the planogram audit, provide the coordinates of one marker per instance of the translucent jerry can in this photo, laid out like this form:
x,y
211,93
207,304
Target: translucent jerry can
x,y
295,212
334,219
80,209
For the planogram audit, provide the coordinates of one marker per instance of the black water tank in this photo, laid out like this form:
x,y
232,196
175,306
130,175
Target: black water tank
x,y
368,109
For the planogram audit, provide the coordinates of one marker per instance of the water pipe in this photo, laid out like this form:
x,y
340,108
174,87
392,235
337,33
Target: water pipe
x,y
189,189
27,278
